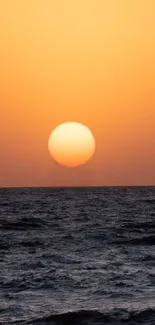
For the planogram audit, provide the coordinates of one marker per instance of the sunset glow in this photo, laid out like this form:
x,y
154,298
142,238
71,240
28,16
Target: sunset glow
x,y
90,61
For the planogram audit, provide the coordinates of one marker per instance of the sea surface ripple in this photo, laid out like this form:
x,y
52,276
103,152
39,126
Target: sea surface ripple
x,y
81,256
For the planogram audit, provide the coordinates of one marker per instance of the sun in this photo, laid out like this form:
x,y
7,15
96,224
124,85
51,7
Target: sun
x,y
71,144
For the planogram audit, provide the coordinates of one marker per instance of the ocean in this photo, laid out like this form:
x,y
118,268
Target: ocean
x,y
80,256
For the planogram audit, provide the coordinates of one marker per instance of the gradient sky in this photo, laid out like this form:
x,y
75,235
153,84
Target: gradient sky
x,y
91,61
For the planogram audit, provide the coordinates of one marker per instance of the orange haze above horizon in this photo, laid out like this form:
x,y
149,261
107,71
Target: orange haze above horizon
x,y
90,61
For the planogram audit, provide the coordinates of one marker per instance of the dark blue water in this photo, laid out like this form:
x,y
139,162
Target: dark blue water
x,y
77,256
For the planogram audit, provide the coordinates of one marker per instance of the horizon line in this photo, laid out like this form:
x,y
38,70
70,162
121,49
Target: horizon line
x,y
74,186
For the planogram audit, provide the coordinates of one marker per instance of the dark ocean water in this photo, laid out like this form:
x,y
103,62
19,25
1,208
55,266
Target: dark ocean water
x,y
77,256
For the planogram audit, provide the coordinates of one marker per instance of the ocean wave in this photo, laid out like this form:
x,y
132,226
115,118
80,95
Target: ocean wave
x,y
150,201
21,224
136,225
3,245
93,317
145,240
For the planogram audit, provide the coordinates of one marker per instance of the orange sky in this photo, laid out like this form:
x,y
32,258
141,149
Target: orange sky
x,y
92,61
